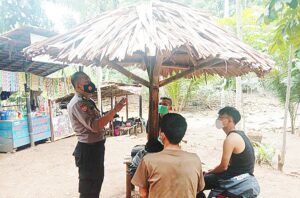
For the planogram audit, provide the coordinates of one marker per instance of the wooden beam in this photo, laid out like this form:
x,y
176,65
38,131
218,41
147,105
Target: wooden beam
x,y
175,66
127,73
188,72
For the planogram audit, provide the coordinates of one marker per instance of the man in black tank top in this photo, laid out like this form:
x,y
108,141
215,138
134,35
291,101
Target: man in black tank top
x,y
238,154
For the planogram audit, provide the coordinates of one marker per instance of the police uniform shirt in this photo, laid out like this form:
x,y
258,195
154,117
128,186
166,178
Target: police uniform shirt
x,y
84,117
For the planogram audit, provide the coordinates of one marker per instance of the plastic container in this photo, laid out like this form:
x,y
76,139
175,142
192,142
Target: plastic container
x,y
11,115
116,131
3,115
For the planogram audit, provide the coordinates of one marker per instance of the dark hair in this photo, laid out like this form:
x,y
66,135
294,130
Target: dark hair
x,y
153,146
232,112
76,76
167,98
174,127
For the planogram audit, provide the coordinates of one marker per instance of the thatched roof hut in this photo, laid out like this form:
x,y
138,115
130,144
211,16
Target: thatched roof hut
x,y
184,36
162,37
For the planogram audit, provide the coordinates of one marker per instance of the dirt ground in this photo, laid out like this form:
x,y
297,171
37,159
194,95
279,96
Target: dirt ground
x,y
48,170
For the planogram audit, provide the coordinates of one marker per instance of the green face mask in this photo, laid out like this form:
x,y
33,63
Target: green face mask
x,y
162,109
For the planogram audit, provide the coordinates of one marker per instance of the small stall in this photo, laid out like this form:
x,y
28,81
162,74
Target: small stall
x,y
14,125
121,126
24,119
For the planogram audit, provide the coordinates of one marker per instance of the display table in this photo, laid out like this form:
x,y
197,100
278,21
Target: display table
x,y
14,133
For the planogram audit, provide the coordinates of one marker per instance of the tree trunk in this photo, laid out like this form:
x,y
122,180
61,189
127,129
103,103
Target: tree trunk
x,y
226,8
187,95
239,92
293,109
296,111
223,101
292,116
287,100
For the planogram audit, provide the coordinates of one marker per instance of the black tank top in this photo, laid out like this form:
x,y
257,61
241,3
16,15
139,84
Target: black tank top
x,y
243,162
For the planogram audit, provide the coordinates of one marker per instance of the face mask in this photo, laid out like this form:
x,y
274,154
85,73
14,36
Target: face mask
x,y
89,88
219,124
159,139
162,109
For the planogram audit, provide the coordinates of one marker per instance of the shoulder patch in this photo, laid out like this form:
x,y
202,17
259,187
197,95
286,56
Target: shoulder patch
x,y
83,107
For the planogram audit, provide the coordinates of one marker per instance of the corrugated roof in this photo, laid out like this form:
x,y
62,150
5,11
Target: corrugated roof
x,y
12,58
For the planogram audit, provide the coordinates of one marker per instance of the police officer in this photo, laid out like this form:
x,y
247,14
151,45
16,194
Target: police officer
x,y
89,129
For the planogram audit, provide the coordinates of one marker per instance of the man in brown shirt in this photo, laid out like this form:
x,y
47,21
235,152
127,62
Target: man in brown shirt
x,y
88,126
172,172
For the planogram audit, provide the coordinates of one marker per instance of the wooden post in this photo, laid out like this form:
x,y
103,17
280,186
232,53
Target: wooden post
x,y
153,119
127,108
51,120
111,103
239,90
281,157
99,83
141,106
111,107
28,107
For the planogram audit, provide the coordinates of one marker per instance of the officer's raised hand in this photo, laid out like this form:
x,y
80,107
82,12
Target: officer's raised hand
x,y
121,104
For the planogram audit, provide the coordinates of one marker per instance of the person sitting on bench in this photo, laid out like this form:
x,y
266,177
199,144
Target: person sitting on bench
x,y
152,146
171,172
164,107
238,156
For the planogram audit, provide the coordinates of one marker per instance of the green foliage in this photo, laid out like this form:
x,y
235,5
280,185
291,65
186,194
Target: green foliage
x,y
183,89
17,98
286,15
264,153
275,80
278,82
21,12
254,33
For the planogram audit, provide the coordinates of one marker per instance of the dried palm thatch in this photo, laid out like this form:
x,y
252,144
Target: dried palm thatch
x,y
184,38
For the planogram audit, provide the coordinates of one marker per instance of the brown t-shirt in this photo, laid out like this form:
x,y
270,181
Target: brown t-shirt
x,y
169,174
